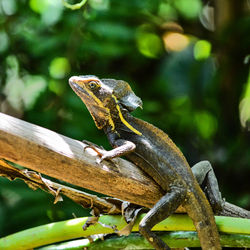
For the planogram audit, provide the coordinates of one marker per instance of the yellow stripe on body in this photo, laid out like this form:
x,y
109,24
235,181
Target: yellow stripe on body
x,y
123,120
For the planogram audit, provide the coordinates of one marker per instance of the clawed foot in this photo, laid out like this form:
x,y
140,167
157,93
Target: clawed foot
x,y
101,153
104,156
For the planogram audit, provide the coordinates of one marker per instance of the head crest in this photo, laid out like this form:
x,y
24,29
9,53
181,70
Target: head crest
x,y
124,94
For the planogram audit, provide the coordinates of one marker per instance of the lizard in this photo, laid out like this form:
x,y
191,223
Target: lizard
x,y
110,103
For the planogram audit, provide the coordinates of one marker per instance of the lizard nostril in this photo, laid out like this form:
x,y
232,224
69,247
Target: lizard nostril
x,y
73,79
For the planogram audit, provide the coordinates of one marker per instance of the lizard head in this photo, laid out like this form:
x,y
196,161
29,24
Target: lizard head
x,y
105,98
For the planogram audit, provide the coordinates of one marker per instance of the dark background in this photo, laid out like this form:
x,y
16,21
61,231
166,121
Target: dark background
x,y
191,71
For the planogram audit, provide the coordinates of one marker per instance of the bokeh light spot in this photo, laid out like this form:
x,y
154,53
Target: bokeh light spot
x,y
175,41
206,124
59,67
202,50
149,44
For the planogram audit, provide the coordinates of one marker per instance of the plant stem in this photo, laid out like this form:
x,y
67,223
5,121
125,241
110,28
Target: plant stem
x,y
72,229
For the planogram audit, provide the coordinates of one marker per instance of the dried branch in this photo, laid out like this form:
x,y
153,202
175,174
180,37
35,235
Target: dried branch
x,y
34,180
63,158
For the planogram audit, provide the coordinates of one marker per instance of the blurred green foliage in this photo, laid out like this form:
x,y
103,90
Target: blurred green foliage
x,y
194,86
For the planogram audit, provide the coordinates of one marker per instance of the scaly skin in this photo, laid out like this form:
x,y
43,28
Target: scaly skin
x,y
150,149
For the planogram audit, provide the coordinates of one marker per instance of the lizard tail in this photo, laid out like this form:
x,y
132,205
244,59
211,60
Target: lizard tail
x,y
202,215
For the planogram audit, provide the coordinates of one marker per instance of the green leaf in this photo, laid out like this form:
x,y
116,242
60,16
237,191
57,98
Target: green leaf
x,y
202,49
34,86
148,43
4,41
59,67
206,124
244,106
188,8
74,6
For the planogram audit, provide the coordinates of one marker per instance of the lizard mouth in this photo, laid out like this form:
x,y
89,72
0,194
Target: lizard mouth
x,y
84,95
77,89
99,113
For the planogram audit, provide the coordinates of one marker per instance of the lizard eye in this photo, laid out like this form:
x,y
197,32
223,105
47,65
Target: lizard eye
x,y
93,85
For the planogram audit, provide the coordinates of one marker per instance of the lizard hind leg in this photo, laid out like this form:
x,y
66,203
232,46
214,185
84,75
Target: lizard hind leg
x,y
161,210
204,174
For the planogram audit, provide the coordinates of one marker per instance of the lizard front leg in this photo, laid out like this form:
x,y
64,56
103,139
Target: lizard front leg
x,y
207,180
120,147
123,147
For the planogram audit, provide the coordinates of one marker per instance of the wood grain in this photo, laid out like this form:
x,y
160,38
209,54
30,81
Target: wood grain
x,y
63,158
